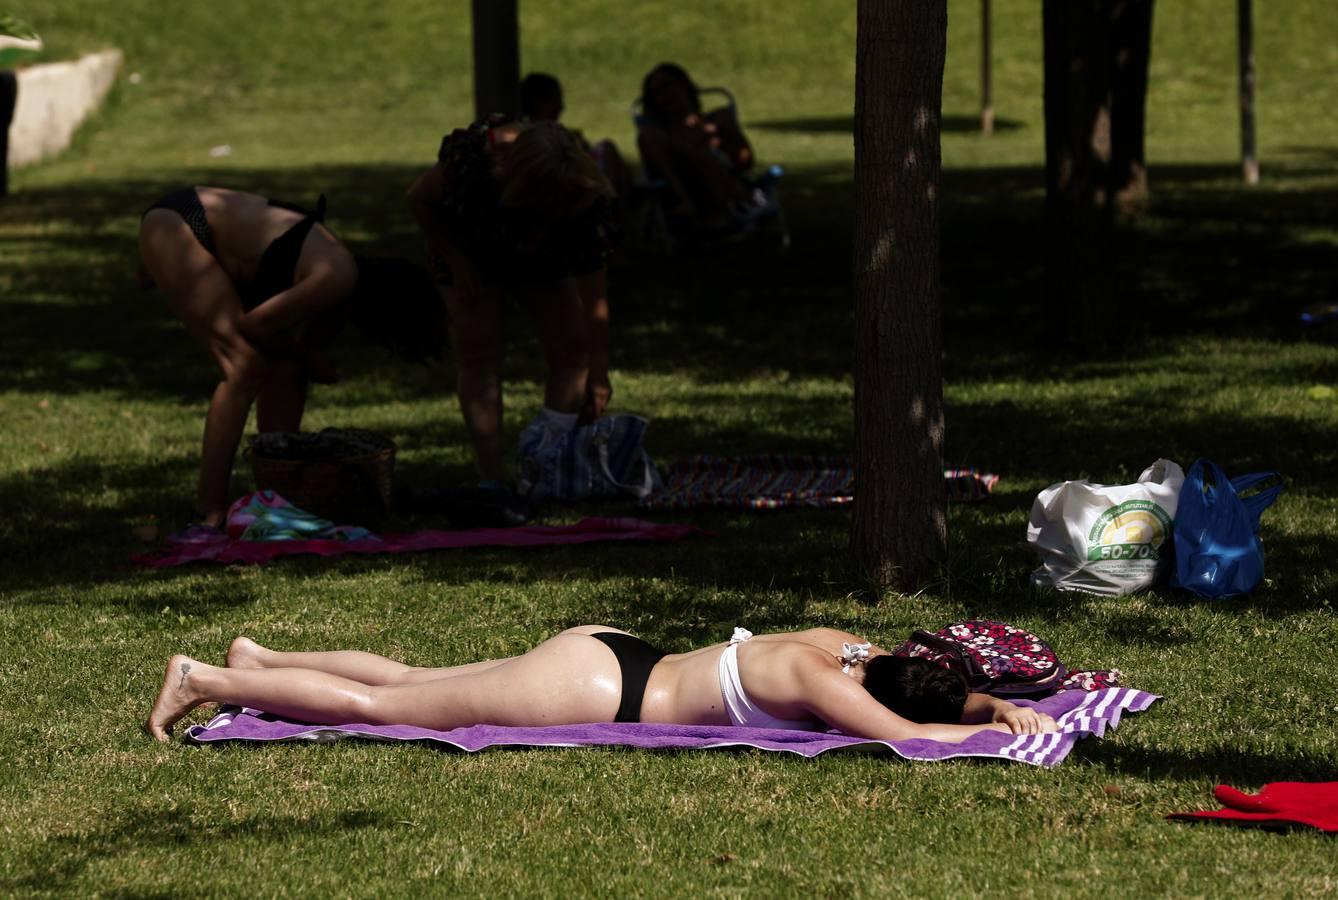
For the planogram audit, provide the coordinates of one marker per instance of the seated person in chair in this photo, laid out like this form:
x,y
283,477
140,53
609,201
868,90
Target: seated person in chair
x,y
700,156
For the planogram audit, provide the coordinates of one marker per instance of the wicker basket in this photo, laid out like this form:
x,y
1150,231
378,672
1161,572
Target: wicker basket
x,y
348,490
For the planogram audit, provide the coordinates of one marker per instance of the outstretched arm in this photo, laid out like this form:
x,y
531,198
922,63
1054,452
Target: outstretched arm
x,y
329,282
846,706
1019,719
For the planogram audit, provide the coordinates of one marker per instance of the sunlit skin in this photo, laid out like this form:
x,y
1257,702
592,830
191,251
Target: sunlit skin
x,y
266,355
569,678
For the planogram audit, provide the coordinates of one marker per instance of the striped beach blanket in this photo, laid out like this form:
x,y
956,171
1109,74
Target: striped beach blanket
x,y
777,481
1078,714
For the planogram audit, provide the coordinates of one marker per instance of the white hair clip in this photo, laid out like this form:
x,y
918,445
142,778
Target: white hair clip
x,y
853,655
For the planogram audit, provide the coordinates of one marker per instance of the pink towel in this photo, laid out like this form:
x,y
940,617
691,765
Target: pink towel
x,y
224,549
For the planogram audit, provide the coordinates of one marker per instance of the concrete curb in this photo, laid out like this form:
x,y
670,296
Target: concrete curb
x,y
54,98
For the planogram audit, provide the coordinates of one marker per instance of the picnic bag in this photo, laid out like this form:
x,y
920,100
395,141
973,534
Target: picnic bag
x,y
1217,548
995,657
1106,539
602,459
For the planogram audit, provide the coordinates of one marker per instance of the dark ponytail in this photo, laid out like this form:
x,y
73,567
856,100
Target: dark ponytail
x,y
916,689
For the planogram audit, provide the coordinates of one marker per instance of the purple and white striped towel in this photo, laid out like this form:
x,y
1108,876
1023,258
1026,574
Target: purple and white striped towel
x,y
1079,715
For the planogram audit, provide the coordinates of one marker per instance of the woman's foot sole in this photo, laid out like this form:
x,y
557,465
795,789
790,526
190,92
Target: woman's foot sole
x,y
175,698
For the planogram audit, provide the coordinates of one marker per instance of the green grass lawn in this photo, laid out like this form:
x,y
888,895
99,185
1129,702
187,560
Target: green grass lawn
x,y
102,398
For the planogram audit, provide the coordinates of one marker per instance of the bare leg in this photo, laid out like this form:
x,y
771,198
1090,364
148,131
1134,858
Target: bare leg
x,y
368,668
565,336
283,399
594,292
201,294
476,332
565,680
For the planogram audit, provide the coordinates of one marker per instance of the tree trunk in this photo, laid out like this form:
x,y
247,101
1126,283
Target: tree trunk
x,y
496,57
986,75
1131,51
1249,157
1079,270
899,535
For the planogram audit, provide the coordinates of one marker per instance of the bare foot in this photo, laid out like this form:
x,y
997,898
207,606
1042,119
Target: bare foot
x,y
245,653
177,697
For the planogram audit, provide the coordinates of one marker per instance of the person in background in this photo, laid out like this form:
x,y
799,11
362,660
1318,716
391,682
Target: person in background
x,y
541,100
519,210
700,156
263,286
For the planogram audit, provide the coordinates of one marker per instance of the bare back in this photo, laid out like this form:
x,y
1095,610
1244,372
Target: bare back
x,y
685,687
244,225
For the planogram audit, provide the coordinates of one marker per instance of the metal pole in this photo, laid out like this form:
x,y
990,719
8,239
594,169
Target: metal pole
x,y
1249,159
496,57
986,88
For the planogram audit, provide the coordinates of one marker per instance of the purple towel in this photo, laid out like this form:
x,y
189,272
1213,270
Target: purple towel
x,y
1078,714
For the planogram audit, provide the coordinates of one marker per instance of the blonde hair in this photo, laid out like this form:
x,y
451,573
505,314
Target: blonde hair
x,y
548,168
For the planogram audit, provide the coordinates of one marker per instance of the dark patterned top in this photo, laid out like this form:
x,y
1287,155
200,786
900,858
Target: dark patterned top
x,y
511,245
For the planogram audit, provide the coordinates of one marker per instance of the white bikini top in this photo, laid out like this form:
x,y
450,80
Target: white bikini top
x,y
742,711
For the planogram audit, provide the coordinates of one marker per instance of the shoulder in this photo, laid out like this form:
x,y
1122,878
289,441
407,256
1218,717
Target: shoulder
x,y
828,639
783,657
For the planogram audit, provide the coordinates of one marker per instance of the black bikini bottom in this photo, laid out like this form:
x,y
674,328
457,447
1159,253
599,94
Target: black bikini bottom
x,y
635,659
278,264
186,203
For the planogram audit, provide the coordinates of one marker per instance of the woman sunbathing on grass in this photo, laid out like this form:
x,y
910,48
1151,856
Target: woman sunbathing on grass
x,y
263,286
815,679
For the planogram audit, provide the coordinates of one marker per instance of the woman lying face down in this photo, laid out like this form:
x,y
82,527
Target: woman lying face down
x,y
813,680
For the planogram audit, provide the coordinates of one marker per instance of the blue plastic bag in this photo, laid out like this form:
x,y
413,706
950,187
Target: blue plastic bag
x,y
602,459
1216,531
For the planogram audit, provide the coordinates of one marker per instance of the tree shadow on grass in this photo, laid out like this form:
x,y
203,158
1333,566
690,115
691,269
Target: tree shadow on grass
x,y
1229,765
60,861
1208,258
1112,439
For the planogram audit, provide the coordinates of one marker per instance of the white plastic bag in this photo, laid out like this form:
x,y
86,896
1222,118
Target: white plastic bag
x,y
1106,539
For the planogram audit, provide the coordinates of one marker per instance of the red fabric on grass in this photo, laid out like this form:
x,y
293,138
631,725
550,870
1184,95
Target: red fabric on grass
x,y
1311,803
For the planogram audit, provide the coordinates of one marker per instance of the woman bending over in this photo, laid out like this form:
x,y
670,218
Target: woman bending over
x,y
263,287
815,679
519,211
